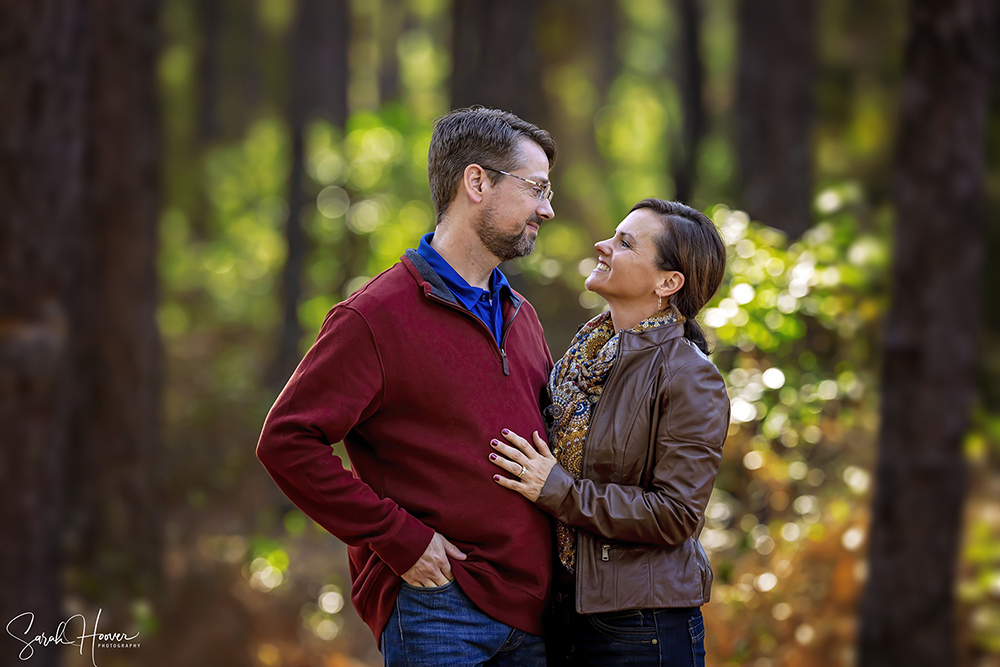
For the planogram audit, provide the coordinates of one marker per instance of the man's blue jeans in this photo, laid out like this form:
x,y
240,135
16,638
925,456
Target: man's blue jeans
x,y
431,627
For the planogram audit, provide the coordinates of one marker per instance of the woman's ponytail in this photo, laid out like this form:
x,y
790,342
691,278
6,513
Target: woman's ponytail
x,y
693,332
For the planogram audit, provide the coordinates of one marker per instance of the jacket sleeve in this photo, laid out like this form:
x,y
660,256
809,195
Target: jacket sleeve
x,y
694,419
337,385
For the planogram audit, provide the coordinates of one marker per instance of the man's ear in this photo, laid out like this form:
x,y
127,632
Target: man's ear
x,y
672,282
475,182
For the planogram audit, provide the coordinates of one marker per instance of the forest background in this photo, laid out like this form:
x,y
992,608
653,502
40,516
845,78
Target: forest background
x,y
188,186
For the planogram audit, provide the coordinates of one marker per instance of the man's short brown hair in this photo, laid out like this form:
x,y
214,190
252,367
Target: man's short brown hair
x,y
487,137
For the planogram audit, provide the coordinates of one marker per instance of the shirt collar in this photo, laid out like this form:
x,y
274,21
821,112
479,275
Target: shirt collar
x,y
468,295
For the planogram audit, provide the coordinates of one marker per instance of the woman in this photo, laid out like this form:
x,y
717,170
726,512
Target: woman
x,y
637,422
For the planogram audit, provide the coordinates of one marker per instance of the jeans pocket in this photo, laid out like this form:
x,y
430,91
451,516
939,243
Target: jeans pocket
x,y
631,626
514,639
696,628
428,589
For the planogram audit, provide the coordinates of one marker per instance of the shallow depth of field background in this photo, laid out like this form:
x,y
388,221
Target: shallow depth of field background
x,y
638,108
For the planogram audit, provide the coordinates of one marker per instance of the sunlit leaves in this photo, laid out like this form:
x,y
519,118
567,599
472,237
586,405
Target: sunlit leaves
x,y
638,134
175,65
276,16
787,324
268,568
571,85
423,63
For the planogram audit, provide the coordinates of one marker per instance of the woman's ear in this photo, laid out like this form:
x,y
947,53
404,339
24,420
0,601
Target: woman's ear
x,y
474,182
672,282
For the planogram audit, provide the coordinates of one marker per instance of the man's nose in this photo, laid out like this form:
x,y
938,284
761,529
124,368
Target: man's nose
x,y
545,210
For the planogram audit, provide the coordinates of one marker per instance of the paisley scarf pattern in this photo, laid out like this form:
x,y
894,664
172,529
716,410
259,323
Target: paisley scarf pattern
x,y
575,386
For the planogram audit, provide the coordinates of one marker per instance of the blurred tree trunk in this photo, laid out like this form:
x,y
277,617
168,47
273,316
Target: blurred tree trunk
x,y
580,38
495,64
395,21
774,110
319,76
78,337
907,611
690,79
319,89
494,59
43,75
210,69
604,24
251,78
115,510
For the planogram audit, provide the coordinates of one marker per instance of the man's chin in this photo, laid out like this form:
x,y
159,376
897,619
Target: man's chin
x,y
521,251
529,245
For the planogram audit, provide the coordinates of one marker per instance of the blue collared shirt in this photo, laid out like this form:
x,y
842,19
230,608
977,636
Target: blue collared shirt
x,y
487,305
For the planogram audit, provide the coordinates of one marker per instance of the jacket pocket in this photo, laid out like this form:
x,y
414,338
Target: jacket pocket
x,y
610,551
706,571
629,564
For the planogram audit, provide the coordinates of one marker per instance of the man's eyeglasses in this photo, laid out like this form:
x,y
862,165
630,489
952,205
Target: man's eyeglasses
x,y
543,191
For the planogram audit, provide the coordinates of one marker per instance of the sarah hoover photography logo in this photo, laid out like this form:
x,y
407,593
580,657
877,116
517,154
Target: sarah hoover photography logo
x,y
71,632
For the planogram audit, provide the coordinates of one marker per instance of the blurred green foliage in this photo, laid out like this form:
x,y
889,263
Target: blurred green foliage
x,y
796,329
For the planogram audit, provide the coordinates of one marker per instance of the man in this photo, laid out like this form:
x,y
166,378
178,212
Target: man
x,y
417,372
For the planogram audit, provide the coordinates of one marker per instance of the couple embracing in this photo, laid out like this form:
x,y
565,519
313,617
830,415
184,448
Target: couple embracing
x,y
500,509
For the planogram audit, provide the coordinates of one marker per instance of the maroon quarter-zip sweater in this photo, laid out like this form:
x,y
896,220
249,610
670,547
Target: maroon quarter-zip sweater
x,y
416,387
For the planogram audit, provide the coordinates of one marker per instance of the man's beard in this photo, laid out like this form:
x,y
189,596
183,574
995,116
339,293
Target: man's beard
x,y
505,246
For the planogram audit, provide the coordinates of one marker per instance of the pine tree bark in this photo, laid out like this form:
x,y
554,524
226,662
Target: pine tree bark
x,y
690,79
907,610
604,23
43,76
78,338
494,59
210,69
394,22
319,90
114,490
775,110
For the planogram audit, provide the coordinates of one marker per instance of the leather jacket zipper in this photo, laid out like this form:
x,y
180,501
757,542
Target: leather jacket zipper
x,y
605,548
586,440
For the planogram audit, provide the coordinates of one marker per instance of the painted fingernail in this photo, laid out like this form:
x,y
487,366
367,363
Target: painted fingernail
x,y
494,442
493,457
505,432
496,478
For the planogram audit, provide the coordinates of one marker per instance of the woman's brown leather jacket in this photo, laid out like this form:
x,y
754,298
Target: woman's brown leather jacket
x,y
649,464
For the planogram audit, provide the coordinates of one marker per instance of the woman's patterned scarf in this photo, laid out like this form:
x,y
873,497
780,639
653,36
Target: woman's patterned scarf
x,y
575,386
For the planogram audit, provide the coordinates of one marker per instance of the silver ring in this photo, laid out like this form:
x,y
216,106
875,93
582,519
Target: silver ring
x,y
522,471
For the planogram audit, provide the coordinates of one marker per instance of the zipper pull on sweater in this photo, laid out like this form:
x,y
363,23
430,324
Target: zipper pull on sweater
x,y
503,357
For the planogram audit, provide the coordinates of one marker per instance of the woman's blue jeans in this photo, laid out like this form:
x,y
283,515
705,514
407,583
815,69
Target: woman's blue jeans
x,y
631,638
438,626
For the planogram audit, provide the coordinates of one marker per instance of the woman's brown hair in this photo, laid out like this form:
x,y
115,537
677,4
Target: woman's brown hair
x,y
690,244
